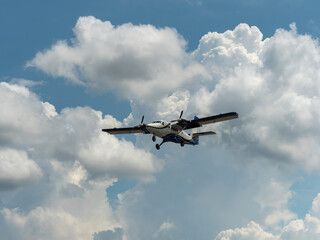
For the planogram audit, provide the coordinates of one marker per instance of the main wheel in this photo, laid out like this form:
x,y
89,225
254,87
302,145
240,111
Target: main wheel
x,y
182,144
154,138
157,146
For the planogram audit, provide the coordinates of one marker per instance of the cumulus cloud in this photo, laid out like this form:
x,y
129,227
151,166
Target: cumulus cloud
x,y
241,175
65,162
170,107
71,218
16,169
276,134
307,228
273,84
74,134
64,210
106,154
252,232
130,59
222,52
23,120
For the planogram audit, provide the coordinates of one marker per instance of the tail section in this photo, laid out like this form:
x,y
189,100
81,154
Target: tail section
x,y
194,131
195,134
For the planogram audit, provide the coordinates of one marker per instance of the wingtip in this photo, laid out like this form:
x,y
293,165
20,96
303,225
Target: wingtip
x,y
235,114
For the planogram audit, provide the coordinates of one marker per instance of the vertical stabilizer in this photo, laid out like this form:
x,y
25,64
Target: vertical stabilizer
x,y
194,131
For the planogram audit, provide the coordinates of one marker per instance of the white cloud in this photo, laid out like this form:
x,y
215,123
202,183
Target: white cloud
x,y
74,134
276,134
164,231
273,85
307,228
279,197
16,169
68,218
315,210
22,121
239,176
170,107
49,110
277,218
133,60
66,161
221,52
252,232
106,154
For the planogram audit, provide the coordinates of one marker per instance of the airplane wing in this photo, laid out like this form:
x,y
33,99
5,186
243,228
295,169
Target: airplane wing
x,y
136,129
213,119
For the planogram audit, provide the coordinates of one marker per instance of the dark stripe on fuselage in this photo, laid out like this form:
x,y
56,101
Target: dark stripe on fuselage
x,y
177,139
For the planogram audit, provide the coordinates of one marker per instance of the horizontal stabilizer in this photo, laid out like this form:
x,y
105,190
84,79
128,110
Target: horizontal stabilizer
x,y
203,134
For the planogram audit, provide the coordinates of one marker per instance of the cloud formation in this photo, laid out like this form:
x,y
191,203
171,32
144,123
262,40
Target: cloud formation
x,y
238,180
60,165
129,59
74,134
16,169
272,83
307,228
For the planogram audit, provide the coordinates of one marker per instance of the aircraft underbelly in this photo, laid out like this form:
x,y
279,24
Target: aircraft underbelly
x,y
163,132
160,132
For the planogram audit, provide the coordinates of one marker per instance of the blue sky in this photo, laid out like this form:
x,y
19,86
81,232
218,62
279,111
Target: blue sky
x,y
28,27
259,174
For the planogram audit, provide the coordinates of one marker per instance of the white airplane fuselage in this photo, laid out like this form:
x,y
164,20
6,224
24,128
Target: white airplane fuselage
x,y
162,129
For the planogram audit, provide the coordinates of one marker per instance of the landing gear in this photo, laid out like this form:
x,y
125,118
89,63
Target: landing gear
x,y
157,146
182,144
153,138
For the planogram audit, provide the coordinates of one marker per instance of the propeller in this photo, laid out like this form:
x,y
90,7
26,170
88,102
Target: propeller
x,y
181,123
181,114
142,125
180,119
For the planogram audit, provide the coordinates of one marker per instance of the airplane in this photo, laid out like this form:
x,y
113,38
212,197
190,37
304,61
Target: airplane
x,y
173,131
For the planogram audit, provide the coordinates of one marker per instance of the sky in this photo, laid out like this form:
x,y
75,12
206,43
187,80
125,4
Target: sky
x,y
70,68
